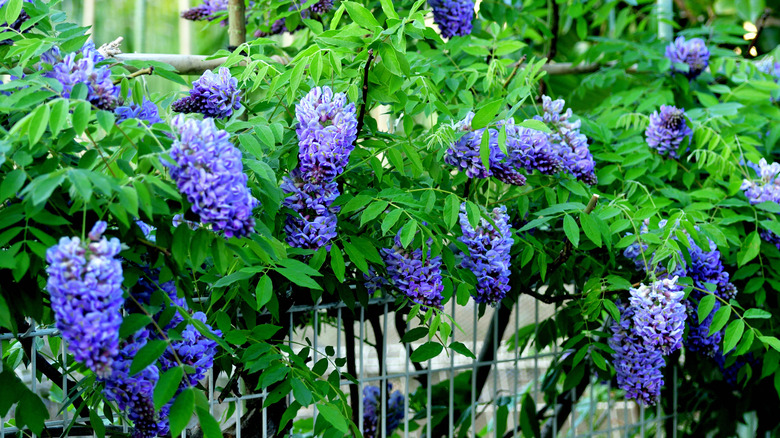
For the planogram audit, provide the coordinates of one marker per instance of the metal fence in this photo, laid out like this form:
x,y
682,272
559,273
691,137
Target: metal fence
x,y
381,358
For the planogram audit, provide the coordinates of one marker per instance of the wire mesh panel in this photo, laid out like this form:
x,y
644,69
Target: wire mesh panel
x,y
453,394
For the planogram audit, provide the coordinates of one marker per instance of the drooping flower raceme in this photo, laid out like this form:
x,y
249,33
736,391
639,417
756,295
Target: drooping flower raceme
x,y
570,145
85,284
659,314
205,11
766,187
698,338
638,367
322,7
418,279
327,129
372,410
693,52
133,393
453,17
146,112
667,130
489,254
531,149
209,172
70,71
213,95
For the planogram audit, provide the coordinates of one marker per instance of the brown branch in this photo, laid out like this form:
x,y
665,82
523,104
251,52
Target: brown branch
x,y
514,71
363,108
555,29
760,24
236,23
143,71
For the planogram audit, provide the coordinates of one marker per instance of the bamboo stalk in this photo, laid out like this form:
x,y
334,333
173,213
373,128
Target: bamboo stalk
x,y
664,12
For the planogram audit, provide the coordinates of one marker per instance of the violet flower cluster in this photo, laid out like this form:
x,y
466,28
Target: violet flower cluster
x,y
418,279
16,25
489,254
731,372
659,314
205,11
209,172
280,26
147,112
213,95
693,53
766,186
133,393
667,130
705,267
327,130
372,410
70,71
570,145
638,367
85,284
453,17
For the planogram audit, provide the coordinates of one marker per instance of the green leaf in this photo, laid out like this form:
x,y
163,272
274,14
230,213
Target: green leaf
x,y
733,334
572,230
484,149
334,417
612,309
388,8
147,355
749,249
720,319
208,424
32,412
106,120
591,228
756,314
181,411
166,386
301,393
537,125
132,323
451,210
771,341
408,232
263,291
232,278
426,351
14,180
337,262
390,219
486,114
97,423
361,15
705,307
372,211
298,278
80,117
356,256
181,244
461,348
414,334
12,11
43,187
58,116
38,122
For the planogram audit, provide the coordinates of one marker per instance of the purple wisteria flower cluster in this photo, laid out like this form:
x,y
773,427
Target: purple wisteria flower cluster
x,y
705,267
213,95
638,368
85,284
731,372
764,188
418,279
489,254
570,145
147,112
280,26
693,53
453,17
372,410
81,68
667,130
16,25
209,172
327,130
192,350
205,11
133,393
650,327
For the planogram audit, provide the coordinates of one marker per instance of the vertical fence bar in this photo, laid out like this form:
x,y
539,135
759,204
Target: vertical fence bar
x,y
474,373
88,14
495,372
516,391
362,376
236,23
2,418
451,404
315,354
185,30
63,352
664,12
